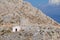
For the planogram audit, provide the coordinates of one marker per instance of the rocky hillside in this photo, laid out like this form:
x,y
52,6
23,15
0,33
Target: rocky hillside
x,y
34,23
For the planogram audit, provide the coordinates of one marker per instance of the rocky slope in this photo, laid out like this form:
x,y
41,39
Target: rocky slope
x,y
34,23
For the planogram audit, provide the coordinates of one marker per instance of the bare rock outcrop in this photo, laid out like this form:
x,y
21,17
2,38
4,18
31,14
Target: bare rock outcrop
x,y
34,24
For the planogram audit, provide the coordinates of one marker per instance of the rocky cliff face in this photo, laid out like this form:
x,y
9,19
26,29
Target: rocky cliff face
x,y
34,23
13,11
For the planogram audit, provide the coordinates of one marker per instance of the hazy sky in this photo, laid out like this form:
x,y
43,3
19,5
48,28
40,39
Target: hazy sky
x,y
49,7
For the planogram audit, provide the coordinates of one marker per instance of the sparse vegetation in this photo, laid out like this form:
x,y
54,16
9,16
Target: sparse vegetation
x,y
34,24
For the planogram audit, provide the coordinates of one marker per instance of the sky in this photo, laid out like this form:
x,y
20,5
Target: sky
x,y
50,7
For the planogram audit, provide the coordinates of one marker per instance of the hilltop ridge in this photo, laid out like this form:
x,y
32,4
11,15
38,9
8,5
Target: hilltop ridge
x,y
34,24
12,11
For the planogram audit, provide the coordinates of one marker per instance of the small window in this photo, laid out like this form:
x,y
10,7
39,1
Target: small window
x,y
16,29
